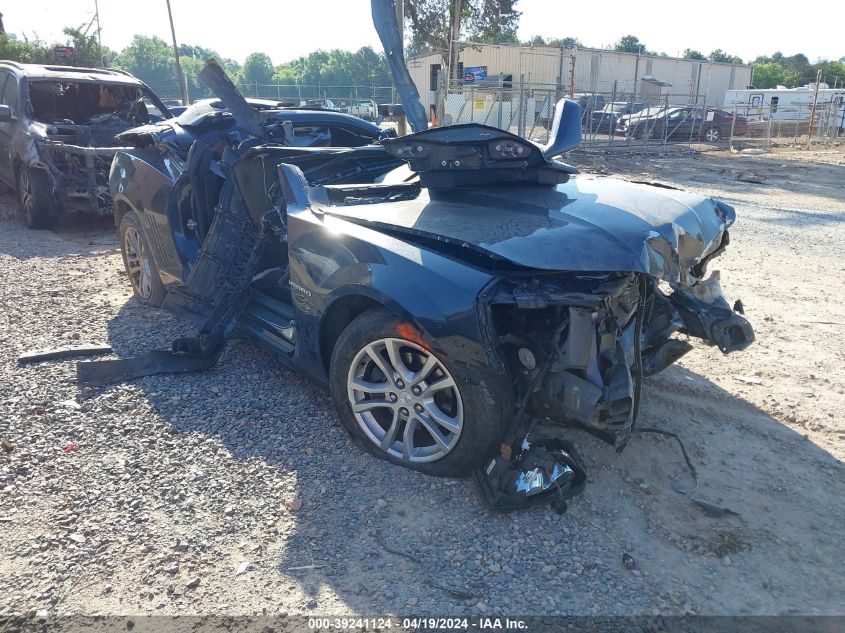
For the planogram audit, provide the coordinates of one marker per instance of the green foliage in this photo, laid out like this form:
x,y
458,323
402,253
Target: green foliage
x,y
630,44
485,21
336,68
150,59
557,42
721,56
690,53
21,51
86,49
795,70
565,42
257,69
772,74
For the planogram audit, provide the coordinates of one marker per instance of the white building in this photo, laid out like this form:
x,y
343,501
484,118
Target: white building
x,y
612,74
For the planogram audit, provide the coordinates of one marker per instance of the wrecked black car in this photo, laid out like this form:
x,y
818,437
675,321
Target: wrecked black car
x,y
57,134
446,286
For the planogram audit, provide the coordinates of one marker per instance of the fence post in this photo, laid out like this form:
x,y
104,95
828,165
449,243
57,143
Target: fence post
x,y
520,125
611,125
733,126
500,95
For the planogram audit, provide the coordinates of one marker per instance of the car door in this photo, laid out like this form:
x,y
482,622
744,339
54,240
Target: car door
x,y
695,123
675,122
7,129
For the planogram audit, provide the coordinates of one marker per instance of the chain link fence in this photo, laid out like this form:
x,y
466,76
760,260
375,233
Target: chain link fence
x,y
342,97
620,120
632,103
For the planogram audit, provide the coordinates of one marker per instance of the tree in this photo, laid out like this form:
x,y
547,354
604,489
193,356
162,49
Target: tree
x,y
334,68
86,49
769,75
565,42
537,40
257,69
150,59
630,44
439,25
690,53
24,51
725,58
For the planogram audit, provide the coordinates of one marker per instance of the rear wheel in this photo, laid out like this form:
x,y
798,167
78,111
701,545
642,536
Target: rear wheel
x,y
408,404
137,258
712,134
35,198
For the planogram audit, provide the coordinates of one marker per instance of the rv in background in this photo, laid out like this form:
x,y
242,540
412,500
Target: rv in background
x,y
789,104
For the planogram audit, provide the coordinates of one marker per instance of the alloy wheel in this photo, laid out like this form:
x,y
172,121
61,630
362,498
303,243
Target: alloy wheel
x,y
712,134
405,400
25,191
138,263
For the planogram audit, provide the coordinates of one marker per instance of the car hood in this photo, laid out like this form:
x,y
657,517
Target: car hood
x,y
586,224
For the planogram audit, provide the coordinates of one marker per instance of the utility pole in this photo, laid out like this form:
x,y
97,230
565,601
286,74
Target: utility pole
x,y
99,34
183,87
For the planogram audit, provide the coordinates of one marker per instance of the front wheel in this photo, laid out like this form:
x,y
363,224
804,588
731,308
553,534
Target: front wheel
x,y
138,260
35,198
408,404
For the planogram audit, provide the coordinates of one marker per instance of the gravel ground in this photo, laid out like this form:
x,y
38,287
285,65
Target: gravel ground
x,y
236,491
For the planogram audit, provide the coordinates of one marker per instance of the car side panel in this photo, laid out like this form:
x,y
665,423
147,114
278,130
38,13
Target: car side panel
x,y
331,258
143,180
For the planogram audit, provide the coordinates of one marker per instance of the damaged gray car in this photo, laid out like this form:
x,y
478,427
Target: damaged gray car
x,y
453,288
57,135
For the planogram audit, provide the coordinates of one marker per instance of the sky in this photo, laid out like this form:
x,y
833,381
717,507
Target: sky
x,y
287,29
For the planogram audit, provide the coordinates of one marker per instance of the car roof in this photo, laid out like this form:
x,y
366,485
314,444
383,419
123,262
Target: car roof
x,y
72,73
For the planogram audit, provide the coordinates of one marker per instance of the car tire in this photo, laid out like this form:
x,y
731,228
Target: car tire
x,y
712,134
35,198
138,261
429,391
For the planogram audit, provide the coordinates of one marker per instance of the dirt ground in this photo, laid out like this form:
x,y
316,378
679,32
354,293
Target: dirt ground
x,y
236,491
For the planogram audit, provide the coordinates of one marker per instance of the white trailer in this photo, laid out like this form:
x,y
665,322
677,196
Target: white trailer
x,y
789,104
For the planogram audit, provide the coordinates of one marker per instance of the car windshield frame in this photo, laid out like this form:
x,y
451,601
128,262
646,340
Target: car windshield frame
x,y
144,91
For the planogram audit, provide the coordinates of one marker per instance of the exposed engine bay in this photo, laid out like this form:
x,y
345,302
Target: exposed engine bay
x,y
76,124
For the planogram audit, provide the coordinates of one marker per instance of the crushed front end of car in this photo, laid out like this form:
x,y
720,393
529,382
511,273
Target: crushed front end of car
x,y
602,283
72,135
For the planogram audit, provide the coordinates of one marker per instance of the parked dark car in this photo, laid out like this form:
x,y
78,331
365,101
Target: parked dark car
x,y
57,134
589,103
605,120
685,122
443,285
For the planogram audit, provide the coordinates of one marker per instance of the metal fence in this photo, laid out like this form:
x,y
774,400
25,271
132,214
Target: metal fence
x,y
613,88
293,94
797,126
620,120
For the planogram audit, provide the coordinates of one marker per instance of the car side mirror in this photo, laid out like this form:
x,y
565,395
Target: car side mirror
x,y
566,129
6,115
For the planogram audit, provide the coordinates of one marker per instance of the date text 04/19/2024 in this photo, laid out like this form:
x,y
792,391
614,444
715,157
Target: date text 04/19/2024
x,y
413,624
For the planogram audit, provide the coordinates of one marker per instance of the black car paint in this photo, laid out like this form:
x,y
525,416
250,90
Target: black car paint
x,y
447,262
